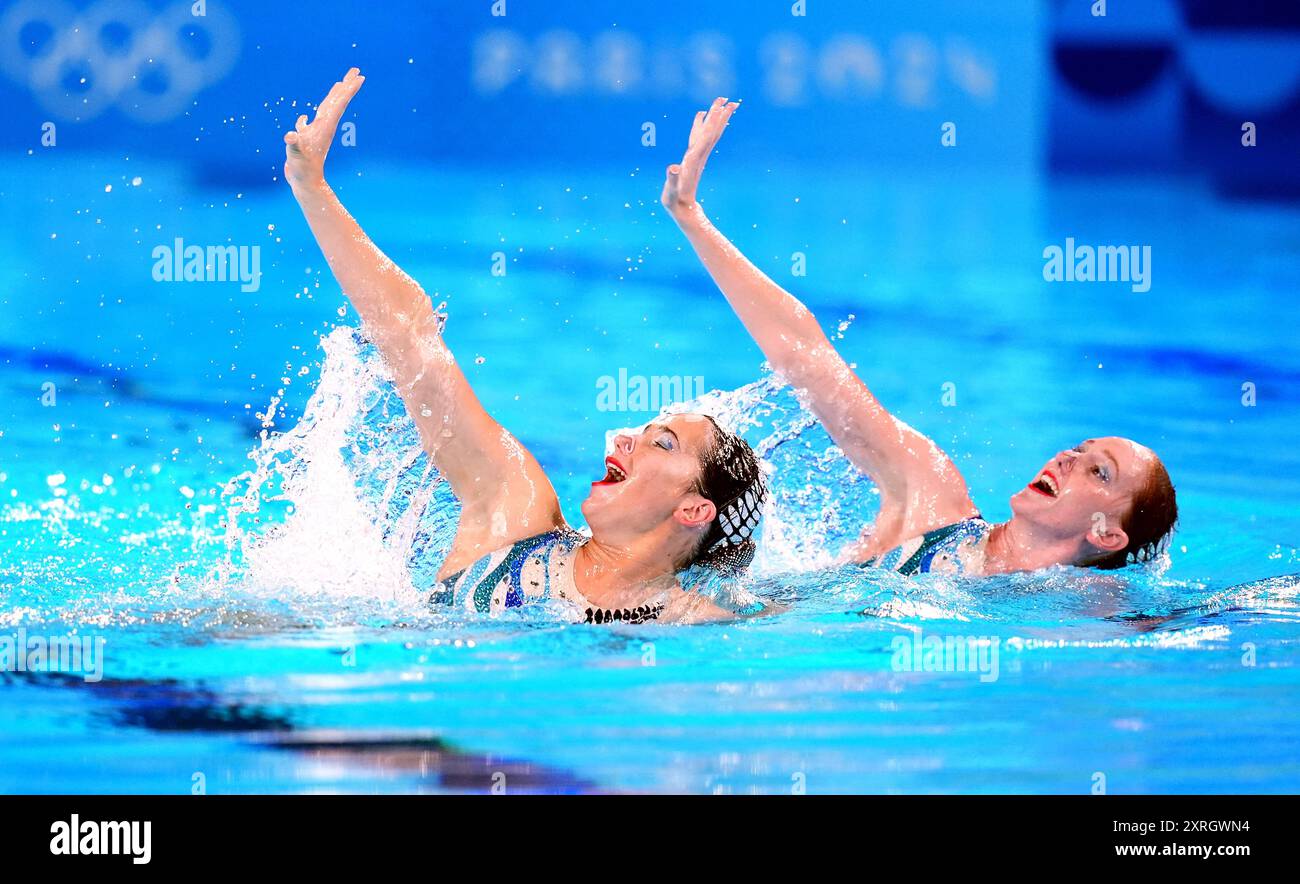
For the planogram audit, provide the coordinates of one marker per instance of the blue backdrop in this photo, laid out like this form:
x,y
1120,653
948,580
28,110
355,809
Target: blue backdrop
x,y
1161,85
548,82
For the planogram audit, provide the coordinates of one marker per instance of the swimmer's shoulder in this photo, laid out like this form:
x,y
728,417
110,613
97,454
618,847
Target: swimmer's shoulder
x,y
684,606
694,606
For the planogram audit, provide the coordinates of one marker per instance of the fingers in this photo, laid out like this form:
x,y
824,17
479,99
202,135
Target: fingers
x,y
719,116
716,107
697,126
329,105
709,126
700,129
327,114
340,94
719,119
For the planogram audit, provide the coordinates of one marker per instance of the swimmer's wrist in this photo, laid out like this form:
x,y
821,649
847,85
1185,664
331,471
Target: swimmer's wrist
x,y
311,185
687,213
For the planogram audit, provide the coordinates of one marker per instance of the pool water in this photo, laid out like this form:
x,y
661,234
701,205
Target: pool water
x,y
224,488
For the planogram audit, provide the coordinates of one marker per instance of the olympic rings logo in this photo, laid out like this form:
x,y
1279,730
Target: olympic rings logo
x,y
116,52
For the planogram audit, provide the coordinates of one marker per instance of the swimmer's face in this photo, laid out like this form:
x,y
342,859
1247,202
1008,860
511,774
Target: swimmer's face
x,y
1085,492
650,477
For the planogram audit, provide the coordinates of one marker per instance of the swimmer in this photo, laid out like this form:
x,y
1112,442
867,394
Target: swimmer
x,y
682,492
1104,503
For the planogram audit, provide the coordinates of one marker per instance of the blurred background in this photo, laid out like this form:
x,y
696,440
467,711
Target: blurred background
x,y
1159,85
902,167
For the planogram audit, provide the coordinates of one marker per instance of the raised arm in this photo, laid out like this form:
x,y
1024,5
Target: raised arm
x,y
914,475
503,492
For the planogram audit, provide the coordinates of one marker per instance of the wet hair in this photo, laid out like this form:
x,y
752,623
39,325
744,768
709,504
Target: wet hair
x,y
732,478
1149,522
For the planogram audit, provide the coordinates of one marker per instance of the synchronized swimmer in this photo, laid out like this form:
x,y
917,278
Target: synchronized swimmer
x,y
1104,503
683,493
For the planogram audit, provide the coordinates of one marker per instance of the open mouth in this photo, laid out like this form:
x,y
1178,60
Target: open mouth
x,y
614,473
1046,484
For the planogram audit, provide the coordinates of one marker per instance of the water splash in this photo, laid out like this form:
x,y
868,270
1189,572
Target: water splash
x,y
346,503
344,512
818,500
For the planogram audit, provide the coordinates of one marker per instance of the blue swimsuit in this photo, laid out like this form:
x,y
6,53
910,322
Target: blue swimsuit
x,y
534,570
951,549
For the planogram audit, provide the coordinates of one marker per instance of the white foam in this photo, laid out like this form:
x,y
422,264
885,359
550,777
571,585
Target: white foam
x,y
336,474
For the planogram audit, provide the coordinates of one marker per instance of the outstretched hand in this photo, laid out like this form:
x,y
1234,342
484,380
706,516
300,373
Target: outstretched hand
x,y
684,177
306,147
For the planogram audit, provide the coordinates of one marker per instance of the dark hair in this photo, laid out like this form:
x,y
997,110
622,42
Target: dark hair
x,y
1149,522
732,478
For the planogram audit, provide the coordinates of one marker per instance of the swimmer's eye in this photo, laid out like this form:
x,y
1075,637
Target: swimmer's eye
x,y
665,442
1101,473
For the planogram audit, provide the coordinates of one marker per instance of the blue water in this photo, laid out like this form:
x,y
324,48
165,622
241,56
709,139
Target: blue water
x,y
252,556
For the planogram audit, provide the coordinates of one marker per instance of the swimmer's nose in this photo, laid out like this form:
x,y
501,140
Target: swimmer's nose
x,y
623,443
